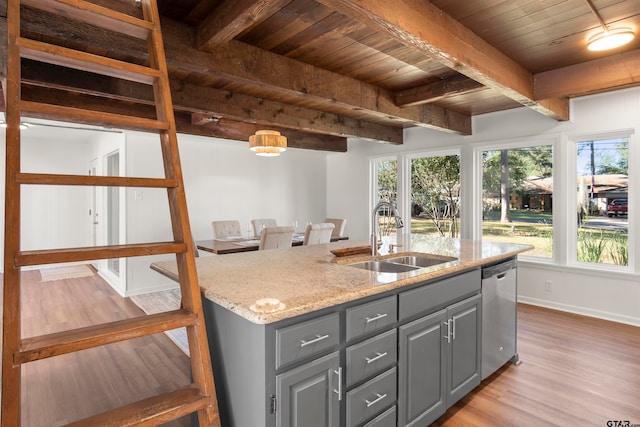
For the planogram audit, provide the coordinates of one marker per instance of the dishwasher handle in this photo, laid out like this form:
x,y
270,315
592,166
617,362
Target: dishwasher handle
x,y
495,270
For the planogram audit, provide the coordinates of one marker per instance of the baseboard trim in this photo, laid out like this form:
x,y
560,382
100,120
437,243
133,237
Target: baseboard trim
x,y
598,314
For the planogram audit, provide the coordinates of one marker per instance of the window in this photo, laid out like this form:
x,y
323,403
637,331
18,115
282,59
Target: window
x,y
601,208
435,195
517,197
386,189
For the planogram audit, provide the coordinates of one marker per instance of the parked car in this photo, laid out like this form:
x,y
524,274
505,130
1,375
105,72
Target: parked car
x,y
617,207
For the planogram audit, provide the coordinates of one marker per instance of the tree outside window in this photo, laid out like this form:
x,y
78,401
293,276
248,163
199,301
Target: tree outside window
x,y
386,175
517,197
435,195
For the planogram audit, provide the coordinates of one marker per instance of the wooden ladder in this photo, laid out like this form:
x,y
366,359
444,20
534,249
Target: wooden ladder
x,y
197,397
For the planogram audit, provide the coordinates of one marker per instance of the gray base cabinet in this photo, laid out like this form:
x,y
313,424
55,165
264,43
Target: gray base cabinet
x,y
308,395
439,359
400,358
422,379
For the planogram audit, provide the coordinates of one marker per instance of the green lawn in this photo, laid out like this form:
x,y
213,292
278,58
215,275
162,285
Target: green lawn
x,y
535,228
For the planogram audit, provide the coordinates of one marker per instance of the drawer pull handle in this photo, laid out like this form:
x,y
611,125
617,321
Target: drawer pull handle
x,y
378,398
378,356
376,317
318,338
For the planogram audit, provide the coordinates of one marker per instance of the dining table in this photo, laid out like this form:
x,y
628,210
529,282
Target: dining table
x,y
236,244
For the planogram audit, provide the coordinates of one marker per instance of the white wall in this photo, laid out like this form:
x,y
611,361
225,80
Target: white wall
x,y
614,296
53,216
223,180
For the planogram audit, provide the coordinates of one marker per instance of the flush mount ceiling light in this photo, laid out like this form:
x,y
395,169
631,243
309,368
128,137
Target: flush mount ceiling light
x,y
608,38
268,143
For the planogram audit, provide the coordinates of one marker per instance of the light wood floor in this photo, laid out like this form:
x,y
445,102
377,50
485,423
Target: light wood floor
x,y
575,370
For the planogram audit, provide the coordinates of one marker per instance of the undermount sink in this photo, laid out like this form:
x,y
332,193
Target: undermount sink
x,y
383,266
421,261
402,264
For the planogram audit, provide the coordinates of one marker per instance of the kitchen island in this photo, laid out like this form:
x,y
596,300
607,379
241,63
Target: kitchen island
x,y
300,337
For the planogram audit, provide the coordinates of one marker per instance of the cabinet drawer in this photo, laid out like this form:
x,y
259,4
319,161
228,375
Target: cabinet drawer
x,y
371,316
438,294
371,398
371,356
386,419
306,339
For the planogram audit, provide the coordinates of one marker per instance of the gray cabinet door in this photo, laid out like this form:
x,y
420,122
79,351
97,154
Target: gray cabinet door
x,y
422,377
307,396
464,367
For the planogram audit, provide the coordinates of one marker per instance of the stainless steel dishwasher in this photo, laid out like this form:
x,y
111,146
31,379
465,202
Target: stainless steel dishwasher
x,y
498,316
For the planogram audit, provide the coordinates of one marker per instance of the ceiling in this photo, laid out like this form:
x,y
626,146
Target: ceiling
x,y
321,71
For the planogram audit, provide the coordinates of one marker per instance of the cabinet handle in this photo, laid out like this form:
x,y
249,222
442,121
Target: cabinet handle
x,y
378,398
378,356
338,372
453,328
376,317
318,338
448,336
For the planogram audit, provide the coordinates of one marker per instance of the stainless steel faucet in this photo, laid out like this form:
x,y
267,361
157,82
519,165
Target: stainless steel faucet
x,y
374,224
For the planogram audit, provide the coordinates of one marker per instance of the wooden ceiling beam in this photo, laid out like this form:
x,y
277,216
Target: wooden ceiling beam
x,y
257,70
424,27
232,17
240,131
456,85
264,112
226,129
211,102
616,71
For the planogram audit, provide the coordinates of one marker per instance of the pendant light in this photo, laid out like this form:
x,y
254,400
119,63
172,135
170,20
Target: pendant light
x,y
268,143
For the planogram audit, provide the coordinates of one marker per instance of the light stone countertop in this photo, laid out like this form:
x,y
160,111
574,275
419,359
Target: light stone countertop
x,y
308,278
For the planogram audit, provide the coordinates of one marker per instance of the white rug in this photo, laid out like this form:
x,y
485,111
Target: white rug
x,y
157,302
50,274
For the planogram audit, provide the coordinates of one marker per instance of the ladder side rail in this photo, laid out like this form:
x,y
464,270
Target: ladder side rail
x,y
191,300
11,333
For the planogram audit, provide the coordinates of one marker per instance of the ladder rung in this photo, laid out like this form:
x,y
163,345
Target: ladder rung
x,y
95,15
152,411
57,112
71,58
102,181
53,256
41,347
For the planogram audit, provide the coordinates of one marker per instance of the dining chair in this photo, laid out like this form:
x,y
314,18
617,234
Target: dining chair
x,y
222,229
259,224
318,233
339,224
276,237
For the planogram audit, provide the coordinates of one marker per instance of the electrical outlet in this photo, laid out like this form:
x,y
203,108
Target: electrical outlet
x,y
548,285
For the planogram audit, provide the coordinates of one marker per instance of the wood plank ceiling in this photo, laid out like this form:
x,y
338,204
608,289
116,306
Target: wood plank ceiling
x,y
321,71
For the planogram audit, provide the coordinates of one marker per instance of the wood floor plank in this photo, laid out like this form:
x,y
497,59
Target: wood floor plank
x,y
67,388
575,370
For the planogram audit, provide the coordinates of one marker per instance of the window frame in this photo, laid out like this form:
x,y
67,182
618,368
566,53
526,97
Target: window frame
x,y
559,210
373,183
405,179
572,199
